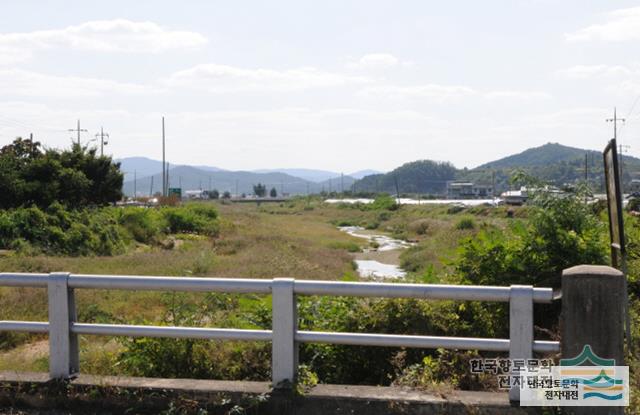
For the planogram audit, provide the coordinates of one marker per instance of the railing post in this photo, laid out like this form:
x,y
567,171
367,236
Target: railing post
x,y
593,315
520,329
284,365
64,352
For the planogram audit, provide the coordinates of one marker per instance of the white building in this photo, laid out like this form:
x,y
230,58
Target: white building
x,y
468,190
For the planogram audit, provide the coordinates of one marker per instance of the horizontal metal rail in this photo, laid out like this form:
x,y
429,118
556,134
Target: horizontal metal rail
x,y
25,326
424,342
63,328
258,286
227,285
19,279
171,332
423,291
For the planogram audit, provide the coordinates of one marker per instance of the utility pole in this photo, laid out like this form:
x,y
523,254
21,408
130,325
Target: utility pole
x,y
180,182
78,130
166,191
395,179
135,183
615,120
236,188
164,168
103,142
200,184
493,184
151,188
586,167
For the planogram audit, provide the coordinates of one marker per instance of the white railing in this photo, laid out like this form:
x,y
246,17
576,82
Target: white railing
x,y
64,329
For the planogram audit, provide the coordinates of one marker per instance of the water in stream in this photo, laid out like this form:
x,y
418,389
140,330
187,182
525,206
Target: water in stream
x,y
371,268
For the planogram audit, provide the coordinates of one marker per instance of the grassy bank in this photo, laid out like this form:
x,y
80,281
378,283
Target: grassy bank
x,y
296,239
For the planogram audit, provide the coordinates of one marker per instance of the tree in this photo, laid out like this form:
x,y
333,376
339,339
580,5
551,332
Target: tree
x,y
273,192
226,195
259,189
76,177
214,194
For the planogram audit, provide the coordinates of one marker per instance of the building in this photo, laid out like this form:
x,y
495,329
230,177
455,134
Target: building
x,y
468,190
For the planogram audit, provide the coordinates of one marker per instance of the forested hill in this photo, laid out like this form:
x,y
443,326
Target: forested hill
x,y
423,176
554,163
546,154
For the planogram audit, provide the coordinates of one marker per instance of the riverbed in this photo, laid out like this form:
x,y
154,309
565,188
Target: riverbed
x,y
381,260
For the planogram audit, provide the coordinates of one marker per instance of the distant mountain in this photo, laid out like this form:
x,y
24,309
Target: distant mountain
x,y
554,163
191,178
545,155
143,166
362,173
306,174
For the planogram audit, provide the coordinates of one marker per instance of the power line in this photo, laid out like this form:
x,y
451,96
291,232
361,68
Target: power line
x,y
103,142
631,110
78,130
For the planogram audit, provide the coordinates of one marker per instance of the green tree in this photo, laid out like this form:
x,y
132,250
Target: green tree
x,y
260,190
273,192
75,177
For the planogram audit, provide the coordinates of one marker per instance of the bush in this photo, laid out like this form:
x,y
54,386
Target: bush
x,y
194,218
561,232
61,231
420,226
383,202
348,246
453,209
98,231
465,224
143,224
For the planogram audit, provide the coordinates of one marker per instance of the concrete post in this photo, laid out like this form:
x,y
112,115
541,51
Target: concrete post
x,y
284,365
64,352
593,314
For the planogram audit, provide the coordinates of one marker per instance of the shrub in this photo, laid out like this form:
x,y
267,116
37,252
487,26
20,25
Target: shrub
x,y
348,246
420,226
383,202
143,224
465,224
453,209
194,218
60,231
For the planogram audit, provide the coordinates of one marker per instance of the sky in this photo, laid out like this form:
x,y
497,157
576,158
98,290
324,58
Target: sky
x,y
336,85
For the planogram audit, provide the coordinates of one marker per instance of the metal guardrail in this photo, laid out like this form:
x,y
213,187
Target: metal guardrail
x,y
64,329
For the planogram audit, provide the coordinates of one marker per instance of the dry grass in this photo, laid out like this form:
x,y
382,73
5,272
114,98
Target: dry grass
x,y
271,241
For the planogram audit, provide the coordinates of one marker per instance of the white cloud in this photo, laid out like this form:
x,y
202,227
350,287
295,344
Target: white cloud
x,y
593,71
374,61
117,35
11,56
526,95
620,25
445,92
26,83
419,91
224,78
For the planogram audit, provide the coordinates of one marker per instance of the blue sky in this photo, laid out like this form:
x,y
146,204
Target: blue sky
x,y
340,85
